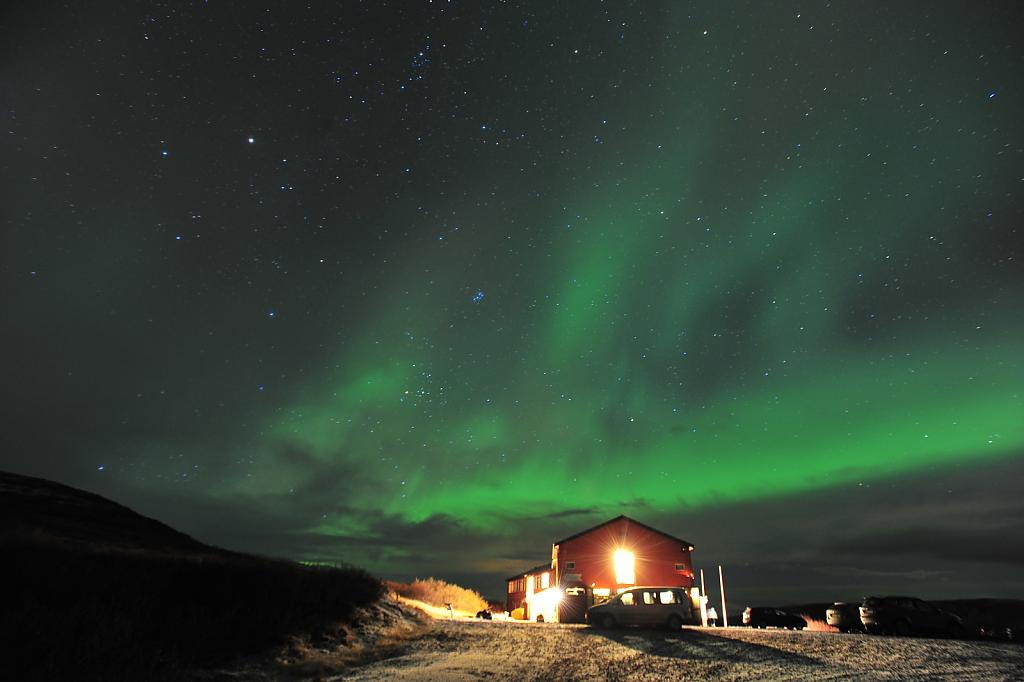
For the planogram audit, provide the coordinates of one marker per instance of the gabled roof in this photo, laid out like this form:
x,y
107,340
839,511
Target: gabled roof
x,y
539,568
633,521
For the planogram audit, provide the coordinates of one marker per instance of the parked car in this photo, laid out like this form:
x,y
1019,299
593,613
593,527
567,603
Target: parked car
x,y
844,616
650,606
770,617
908,616
485,614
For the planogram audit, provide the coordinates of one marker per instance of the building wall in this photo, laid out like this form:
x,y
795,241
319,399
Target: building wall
x,y
655,557
514,599
531,584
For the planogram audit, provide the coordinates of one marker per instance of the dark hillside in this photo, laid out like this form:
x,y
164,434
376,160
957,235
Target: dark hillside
x,y
994,618
43,511
97,592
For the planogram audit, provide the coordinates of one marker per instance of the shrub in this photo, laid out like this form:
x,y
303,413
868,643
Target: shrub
x,y
438,593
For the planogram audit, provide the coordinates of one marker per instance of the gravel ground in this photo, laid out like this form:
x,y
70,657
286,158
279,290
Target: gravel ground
x,y
472,650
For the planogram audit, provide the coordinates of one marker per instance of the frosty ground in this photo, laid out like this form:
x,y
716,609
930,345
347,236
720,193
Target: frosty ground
x,y
470,650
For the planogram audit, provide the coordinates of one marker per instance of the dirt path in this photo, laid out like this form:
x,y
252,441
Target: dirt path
x,y
470,650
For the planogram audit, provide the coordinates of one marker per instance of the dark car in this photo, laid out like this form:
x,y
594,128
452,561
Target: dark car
x,y
770,617
485,614
651,606
908,616
844,616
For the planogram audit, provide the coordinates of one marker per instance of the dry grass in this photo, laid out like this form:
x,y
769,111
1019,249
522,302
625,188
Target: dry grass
x,y
815,625
440,593
380,631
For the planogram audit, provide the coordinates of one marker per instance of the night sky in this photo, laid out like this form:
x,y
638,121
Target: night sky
x,y
424,286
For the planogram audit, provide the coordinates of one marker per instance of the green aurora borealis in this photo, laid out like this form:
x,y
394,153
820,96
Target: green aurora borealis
x,y
518,262
698,323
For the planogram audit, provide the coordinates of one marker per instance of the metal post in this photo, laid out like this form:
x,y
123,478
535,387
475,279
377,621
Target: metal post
x,y
721,584
703,601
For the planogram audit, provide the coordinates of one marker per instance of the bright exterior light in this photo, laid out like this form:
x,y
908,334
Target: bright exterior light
x,y
545,603
624,573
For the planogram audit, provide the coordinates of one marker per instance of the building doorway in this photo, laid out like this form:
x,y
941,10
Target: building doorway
x,y
573,608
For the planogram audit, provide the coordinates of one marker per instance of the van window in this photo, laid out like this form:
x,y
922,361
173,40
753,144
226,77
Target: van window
x,y
649,598
627,598
667,597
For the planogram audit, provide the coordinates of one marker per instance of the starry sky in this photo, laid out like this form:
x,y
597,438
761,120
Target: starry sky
x,y
424,286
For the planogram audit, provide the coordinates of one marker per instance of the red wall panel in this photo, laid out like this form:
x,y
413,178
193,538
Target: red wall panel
x,y
655,555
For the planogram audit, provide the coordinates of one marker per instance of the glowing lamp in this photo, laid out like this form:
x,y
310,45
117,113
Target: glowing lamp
x,y
624,567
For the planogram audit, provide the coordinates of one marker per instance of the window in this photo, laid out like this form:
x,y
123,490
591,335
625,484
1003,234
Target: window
x,y
648,598
511,585
668,597
545,581
624,572
570,565
627,598
680,567
602,592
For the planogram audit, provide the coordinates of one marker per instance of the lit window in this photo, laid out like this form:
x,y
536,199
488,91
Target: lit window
x,y
510,586
624,573
570,565
627,598
529,585
602,592
667,597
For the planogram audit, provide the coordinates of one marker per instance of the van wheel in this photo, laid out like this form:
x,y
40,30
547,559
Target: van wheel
x,y
607,621
675,622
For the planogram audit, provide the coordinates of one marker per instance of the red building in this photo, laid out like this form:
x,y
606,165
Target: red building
x,y
590,566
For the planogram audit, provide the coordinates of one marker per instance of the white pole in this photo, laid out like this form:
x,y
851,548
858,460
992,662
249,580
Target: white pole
x,y
721,584
703,601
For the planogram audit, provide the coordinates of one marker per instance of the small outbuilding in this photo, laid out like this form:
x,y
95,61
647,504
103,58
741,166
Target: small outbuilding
x,y
592,565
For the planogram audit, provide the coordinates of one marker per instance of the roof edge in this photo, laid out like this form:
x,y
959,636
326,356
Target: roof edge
x,y
539,568
621,517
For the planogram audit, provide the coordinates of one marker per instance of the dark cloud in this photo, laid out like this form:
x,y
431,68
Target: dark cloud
x,y
936,534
